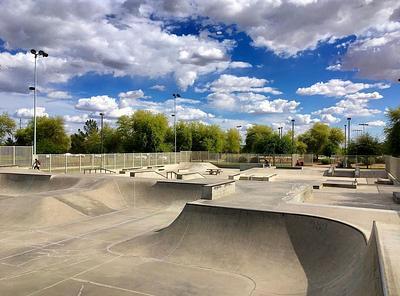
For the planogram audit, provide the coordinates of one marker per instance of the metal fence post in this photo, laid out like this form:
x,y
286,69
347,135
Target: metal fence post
x,y
66,162
92,161
14,155
124,159
50,163
141,160
115,161
80,163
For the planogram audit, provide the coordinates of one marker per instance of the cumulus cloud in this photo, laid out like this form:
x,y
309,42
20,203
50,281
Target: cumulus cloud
x,y
337,88
158,87
379,123
376,55
94,36
230,83
97,103
288,27
336,67
58,95
250,103
27,113
79,118
235,65
329,118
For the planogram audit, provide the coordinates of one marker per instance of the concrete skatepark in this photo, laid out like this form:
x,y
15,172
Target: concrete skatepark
x,y
262,231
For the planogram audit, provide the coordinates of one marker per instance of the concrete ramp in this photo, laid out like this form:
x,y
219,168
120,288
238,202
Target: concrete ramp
x,y
276,253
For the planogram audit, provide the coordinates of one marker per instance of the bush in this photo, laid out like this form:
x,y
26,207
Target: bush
x,y
326,161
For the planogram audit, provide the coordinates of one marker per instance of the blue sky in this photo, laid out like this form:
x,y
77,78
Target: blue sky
x,y
234,62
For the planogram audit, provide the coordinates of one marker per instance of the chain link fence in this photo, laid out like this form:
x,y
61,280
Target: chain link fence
x,y
251,158
16,156
73,163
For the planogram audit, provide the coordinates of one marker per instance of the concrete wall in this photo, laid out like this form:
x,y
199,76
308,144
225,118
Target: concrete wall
x,y
393,166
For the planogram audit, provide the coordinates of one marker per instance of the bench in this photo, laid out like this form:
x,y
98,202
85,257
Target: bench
x,y
214,171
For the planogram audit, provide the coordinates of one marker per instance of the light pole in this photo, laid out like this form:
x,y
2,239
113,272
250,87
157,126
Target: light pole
x,y
364,125
102,137
36,54
279,132
293,135
345,139
174,115
348,131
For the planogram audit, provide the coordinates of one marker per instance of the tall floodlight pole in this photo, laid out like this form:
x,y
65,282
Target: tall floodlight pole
x,y
345,139
102,137
174,115
36,54
348,131
364,125
293,136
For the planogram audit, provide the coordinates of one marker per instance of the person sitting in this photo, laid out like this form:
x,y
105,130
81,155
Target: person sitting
x,y
36,164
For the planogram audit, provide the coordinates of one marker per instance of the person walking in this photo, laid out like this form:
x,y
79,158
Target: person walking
x,y
36,164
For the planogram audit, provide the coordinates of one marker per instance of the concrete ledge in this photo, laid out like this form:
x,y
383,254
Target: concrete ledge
x,y
189,176
383,181
234,176
289,167
209,190
341,184
146,174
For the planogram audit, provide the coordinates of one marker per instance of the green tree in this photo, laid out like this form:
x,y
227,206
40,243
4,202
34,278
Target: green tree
x,y
321,139
257,138
183,137
143,131
51,135
232,142
392,132
365,145
207,137
7,127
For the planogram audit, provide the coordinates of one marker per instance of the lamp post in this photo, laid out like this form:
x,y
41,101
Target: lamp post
x,y
102,137
348,131
36,54
345,139
293,135
174,115
364,125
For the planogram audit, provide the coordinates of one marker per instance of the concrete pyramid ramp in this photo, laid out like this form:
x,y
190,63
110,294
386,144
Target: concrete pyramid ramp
x,y
281,254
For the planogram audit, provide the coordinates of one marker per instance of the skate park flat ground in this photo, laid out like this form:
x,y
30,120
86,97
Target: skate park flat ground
x,y
112,235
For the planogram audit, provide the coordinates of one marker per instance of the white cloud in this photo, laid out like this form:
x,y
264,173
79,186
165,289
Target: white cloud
x,y
158,87
364,96
58,95
288,27
28,113
234,65
329,118
379,123
336,67
376,55
230,83
337,88
96,36
79,118
251,103
132,94
97,103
